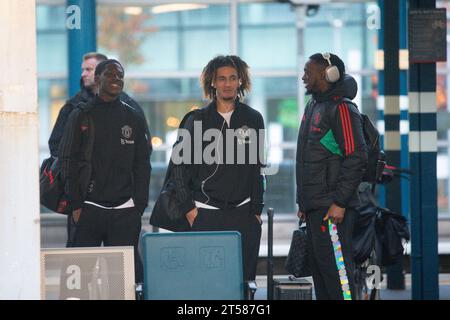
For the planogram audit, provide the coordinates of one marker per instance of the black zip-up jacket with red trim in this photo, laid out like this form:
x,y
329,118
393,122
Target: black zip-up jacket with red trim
x,y
120,158
225,185
331,150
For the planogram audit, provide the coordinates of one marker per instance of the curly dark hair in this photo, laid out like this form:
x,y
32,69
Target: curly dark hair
x,y
209,73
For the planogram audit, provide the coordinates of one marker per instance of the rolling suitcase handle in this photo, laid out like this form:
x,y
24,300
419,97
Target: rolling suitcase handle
x,y
270,213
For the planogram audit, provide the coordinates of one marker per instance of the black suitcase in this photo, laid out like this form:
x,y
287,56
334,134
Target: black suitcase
x,y
287,288
292,288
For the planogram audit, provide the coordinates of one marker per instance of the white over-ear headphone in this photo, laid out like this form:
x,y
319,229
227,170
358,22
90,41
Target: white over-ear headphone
x,y
331,72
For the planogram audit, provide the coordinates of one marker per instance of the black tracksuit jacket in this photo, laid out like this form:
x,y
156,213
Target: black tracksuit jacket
x,y
232,183
331,150
120,158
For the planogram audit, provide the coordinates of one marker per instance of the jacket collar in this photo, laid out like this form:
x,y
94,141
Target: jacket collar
x,y
212,110
212,106
98,101
86,94
347,87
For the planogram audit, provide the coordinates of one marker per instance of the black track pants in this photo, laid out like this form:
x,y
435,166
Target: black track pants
x,y
236,219
322,257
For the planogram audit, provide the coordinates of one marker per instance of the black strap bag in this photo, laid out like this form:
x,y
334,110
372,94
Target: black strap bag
x,y
376,159
166,213
297,262
364,235
51,186
392,230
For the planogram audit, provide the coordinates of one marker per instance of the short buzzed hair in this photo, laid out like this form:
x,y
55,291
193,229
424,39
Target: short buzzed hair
x,y
102,66
98,56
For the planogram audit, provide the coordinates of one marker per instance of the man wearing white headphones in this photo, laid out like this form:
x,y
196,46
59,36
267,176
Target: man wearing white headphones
x,y
225,194
331,159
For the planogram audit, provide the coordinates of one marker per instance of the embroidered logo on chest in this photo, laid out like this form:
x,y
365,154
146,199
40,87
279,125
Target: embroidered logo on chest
x,y
127,131
317,119
243,135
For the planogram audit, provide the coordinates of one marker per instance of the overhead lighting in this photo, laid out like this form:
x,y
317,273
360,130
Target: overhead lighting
x,y
157,141
303,2
133,11
165,8
173,122
337,23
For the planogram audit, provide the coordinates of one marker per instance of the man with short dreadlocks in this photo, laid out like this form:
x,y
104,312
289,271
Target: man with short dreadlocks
x,y
331,161
225,191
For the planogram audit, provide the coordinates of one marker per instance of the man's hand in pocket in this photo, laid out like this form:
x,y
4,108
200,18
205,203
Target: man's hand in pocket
x,y
191,215
76,215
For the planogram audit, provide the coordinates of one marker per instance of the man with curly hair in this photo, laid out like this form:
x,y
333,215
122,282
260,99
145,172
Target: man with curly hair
x,y
226,191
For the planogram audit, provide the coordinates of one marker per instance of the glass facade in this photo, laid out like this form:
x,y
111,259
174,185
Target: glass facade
x,y
52,68
443,126
164,51
267,36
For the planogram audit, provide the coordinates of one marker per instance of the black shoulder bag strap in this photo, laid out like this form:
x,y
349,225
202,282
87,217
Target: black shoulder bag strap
x,y
90,142
88,121
197,114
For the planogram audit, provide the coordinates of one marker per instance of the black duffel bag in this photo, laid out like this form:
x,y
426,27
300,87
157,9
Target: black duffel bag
x,y
51,187
166,213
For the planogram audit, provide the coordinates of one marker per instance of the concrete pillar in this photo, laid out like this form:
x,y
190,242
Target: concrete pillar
x,y
19,161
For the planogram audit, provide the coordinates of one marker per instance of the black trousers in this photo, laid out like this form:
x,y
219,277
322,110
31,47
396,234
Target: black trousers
x,y
237,219
322,259
118,227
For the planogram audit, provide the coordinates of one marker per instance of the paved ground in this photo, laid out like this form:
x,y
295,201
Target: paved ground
x,y
444,289
284,225
53,233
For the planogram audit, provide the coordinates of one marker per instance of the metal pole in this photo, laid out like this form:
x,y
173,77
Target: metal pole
x,y
300,12
234,32
392,144
379,65
404,124
82,37
270,212
19,162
